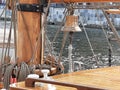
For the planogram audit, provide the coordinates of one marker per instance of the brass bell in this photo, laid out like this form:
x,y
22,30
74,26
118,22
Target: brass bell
x,y
71,24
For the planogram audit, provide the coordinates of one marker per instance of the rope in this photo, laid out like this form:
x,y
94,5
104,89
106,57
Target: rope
x,y
69,9
23,72
7,50
89,42
4,9
59,29
2,55
111,26
14,27
64,38
109,44
50,45
8,42
42,26
7,76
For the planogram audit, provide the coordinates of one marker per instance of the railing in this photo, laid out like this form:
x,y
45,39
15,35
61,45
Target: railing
x,y
30,82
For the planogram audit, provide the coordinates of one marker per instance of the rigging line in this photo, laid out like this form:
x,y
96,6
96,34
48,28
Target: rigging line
x,y
43,25
87,37
65,11
2,12
111,26
8,42
89,41
109,44
2,57
65,34
65,4
15,28
63,44
9,38
43,28
59,29
48,43
26,28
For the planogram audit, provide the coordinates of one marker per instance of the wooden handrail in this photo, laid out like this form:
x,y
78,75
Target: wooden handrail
x,y
30,82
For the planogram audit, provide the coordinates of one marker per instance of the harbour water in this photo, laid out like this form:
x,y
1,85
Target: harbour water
x,y
81,53
81,49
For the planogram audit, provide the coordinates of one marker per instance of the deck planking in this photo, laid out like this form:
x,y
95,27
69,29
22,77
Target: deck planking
x,y
107,78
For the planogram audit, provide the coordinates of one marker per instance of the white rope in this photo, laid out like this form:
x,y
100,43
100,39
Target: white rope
x,y
2,56
7,75
89,42
106,36
87,37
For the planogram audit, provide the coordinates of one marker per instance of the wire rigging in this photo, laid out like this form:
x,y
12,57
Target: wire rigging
x,y
2,55
86,34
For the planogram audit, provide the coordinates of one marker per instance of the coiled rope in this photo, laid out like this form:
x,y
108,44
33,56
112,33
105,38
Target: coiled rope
x,y
7,75
23,72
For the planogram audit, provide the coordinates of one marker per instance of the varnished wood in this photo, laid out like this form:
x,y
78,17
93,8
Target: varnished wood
x,y
29,82
113,11
88,1
28,31
1,85
104,78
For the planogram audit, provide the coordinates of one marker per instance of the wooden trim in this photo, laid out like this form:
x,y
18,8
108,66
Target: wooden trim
x,y
30,82
113,11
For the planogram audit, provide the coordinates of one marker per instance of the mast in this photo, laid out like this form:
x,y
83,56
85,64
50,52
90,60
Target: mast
x,y
29,25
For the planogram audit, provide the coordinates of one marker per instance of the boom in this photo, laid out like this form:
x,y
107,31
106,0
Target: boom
x,y
88,1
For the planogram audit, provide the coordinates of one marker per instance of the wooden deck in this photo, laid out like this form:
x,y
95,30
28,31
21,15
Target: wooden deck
x,y
103,78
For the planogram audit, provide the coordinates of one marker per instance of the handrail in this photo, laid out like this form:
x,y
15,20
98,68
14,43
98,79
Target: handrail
x,y
30,82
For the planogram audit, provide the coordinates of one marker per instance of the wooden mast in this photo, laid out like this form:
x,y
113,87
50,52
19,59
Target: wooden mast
x,y
28,31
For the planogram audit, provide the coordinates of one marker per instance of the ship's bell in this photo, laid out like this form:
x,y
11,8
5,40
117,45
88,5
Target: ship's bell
x,y
71,24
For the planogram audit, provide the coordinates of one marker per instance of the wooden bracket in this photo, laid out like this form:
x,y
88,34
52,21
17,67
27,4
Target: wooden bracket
x,y
30,7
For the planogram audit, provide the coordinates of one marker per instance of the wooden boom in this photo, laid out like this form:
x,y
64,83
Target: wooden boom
x,y
113,11
89,1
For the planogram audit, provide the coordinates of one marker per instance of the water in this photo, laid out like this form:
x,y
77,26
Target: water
x,y
80,44
81,48
82,55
